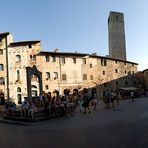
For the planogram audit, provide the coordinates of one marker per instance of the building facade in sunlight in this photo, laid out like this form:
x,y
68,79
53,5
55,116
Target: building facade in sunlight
x,y
59,70
64,71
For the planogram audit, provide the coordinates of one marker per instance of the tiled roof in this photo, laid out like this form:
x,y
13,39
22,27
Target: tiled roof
x,y
4,33
81,54
24,42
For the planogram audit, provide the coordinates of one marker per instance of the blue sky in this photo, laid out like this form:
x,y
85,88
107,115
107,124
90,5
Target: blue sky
x,y
77,25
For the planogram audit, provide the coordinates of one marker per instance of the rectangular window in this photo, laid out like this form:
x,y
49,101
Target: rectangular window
x,y
47,58
64,77
63,60
74,60
53,59
84,61
1,67
91,66
116,70
133,65
46,87
30,46
84,76
117,17
125,72
103,72
103,62
91,77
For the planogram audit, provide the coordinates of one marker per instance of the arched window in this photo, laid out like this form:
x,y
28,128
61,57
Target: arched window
x,y
55,75
19,95
19,98
1,67
47,75
18,58
2,80
1,51
18,89
46,87
32,58
18,75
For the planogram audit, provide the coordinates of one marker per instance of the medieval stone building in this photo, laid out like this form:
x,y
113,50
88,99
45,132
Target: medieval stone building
x,y
58,70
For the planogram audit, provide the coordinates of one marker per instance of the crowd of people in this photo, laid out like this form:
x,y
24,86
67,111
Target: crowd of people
x,y
26,109
110,97
57,105
54,103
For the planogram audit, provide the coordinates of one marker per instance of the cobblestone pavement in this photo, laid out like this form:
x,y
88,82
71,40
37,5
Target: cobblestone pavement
x,y
126,126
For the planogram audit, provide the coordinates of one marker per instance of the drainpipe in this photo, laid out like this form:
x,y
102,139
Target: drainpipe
x,y
7,67
60,72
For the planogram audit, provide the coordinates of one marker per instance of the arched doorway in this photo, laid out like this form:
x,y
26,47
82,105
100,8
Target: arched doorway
x,y
34,91
93,92
75,91
66,91
2,98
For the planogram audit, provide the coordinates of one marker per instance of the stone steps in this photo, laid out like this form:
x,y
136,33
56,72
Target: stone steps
x,y
39,116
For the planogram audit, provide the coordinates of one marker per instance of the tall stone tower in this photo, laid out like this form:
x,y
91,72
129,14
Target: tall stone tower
x,y
116,33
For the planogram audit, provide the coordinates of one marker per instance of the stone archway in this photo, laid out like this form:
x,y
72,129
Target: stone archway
x,y
33,71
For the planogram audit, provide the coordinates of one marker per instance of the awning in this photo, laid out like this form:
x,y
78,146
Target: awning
x,y
128,88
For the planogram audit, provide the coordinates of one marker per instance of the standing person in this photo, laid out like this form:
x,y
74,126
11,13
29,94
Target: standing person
x,y
108,98
49,97
80,102
94,100
31,109
45,100
41,103
86,99
118,97
132,95
113,95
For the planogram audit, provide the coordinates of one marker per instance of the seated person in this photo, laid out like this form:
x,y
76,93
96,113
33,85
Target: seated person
x,y
25,107
5,111
31,109
12,108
